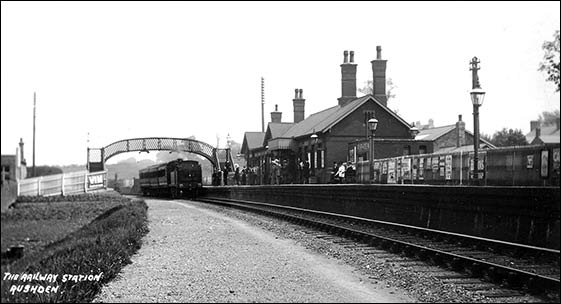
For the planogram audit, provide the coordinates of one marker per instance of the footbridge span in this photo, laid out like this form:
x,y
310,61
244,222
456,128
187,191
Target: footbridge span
x,y
98,156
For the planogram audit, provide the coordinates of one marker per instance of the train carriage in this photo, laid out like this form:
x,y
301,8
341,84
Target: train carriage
x,y
176,178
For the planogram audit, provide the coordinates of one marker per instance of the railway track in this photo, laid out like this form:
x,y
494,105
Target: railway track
x,y
516,268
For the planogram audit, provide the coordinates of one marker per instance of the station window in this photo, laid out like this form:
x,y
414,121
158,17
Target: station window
x,y
422,149
407,150
319,158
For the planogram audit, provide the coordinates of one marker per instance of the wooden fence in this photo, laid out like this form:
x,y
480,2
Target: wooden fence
x,y
62,184
537,165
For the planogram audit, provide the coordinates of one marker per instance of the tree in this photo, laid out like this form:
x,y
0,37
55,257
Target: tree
x,y
510,137
549,118
550,63
486,137
368,88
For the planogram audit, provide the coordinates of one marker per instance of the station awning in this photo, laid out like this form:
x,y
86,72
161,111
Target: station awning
x,y
281,144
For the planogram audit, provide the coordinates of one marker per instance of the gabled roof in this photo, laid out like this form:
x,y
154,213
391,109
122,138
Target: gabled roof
x,y
468,148
434,133
551,139
487,143
275,130
326,119
253,140
548,134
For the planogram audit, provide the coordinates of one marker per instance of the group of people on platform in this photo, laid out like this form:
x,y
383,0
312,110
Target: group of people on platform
x,y
245,176
343,172
278,173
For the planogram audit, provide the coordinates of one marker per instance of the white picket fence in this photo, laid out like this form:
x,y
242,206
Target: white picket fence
x,y
63,184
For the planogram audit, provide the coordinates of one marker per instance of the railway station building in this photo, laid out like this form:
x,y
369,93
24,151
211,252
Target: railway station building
x,y
340,132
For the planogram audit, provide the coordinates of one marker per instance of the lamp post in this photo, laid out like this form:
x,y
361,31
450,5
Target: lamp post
x,y
314,138
372,125
477,96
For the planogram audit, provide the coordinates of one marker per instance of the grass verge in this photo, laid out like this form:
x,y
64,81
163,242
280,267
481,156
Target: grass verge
x,y
83,261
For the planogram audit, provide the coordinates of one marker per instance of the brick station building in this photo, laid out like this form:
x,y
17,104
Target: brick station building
x,y
341,132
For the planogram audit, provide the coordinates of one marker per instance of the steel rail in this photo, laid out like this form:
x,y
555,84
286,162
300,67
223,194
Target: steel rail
x,y
535,283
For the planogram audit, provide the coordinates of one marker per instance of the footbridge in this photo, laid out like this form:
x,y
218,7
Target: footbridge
x,y
98,156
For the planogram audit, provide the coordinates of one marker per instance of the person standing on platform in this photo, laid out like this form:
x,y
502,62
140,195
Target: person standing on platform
x,y
225,178
237,175
244,175
305,172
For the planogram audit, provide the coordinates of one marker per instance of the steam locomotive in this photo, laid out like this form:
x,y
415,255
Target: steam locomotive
x,y
177,178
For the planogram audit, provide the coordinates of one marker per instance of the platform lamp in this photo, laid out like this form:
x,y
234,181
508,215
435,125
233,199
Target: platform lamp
x,y
477,95
314,139
372,125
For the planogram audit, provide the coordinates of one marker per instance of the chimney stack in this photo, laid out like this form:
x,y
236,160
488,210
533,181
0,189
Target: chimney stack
x,y
348,79
461,129
22,159
276,115
534,124
379,77
538,131
298,102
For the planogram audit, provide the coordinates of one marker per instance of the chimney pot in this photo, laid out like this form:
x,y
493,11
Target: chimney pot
x,y
460,117
301,95
345,54
295,93
276,108
348,80
352,59
379,52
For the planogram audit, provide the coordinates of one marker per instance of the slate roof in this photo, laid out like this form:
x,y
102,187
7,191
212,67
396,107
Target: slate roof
x,y
278,129
253,140
434,133
548,134
324,120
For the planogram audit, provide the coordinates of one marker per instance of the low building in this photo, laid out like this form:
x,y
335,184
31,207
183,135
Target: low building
x,y
430,139
14,166
543,134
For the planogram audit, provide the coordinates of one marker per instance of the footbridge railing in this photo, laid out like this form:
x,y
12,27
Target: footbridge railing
x,y
98,156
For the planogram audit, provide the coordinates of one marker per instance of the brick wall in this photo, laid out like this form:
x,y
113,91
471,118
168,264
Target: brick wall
x,y
526,215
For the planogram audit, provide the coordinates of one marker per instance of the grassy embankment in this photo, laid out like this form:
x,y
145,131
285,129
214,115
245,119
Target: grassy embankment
x,y
77,235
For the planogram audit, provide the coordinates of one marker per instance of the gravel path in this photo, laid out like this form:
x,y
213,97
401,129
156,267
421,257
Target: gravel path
x,y
193,254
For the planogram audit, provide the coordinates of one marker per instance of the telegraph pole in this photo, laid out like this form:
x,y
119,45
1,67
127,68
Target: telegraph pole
x,y
262,104
34,134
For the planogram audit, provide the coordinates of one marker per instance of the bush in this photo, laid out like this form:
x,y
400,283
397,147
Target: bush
x,y
103,246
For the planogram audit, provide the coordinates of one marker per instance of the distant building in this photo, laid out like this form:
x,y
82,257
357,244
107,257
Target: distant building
x,y
543,134
14,166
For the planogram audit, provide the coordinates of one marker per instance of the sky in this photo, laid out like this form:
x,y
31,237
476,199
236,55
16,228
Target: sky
x,y
107,71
